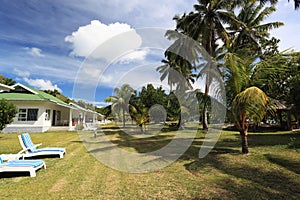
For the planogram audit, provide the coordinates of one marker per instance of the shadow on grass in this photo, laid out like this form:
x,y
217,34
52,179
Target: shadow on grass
x,y
244,178
110,127
226,145
250,181
41,157
141,145
291,165
14,174
271,139
241,176
76,141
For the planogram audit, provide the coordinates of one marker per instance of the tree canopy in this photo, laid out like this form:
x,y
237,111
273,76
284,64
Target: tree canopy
x,y
237,37
7,113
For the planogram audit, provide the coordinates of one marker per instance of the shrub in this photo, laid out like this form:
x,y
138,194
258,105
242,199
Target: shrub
x,y
7,113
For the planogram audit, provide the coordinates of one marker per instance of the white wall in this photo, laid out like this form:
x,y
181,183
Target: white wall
x,y
41,125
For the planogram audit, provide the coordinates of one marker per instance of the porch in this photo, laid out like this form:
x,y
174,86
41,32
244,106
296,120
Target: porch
x,y
59,128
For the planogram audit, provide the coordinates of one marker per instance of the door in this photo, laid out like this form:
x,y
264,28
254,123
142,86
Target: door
x,y
54,118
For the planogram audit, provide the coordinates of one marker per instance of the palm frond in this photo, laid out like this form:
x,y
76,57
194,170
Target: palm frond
x,y
252,104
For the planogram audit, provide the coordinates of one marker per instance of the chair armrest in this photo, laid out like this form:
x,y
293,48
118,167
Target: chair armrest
x,y
22,153
37,145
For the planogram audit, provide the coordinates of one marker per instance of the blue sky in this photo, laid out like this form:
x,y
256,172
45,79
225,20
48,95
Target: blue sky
x,y
48,44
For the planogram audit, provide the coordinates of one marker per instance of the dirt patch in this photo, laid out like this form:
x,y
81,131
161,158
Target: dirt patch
x,y
59,185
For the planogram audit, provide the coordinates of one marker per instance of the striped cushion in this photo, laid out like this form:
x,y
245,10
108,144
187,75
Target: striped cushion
x,y
29,144
27,141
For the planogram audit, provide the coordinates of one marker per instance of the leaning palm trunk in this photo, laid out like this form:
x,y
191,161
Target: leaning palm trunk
x,y
244,139
251,103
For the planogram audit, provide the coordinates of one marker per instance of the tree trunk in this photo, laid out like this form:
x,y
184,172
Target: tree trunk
x,y
280,119
179,121
298,119
141,127
243,134
204,116
123,117
206,99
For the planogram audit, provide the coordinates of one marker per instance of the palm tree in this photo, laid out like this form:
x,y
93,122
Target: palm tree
x,y
250,102
244,60
241,72
245,64
249,105
120,102
141,117
207,25
250,32
181,59
296,2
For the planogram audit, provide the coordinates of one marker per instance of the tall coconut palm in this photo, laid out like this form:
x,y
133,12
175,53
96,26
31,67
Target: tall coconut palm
x,y
249,105
207,25
120,102
296,2
251,31
243,60
181,59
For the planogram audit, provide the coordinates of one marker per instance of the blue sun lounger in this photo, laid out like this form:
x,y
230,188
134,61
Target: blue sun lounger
x,y
30,150
30,166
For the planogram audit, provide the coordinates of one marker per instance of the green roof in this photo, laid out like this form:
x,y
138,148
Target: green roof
x,y
30,95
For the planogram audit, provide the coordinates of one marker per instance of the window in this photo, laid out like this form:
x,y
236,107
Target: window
x,y
47,116
30,114
22,115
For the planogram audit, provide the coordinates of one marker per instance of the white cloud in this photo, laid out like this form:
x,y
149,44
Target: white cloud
x,y
136,55
42,84
36,52
87,38
136,77
21,73
100,103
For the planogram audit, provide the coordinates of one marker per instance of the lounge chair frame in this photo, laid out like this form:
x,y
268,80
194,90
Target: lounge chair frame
x,y
32,170
26,152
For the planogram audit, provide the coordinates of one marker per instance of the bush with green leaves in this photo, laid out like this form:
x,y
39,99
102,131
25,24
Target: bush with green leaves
x,y
7,113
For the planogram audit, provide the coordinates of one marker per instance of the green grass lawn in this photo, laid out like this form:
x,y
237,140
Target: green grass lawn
x,y
271,171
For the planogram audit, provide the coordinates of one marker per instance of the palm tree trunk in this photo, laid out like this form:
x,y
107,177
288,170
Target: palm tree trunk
x,y
204,112
179,121
141,127
204,117
243,134
123,117
206,97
